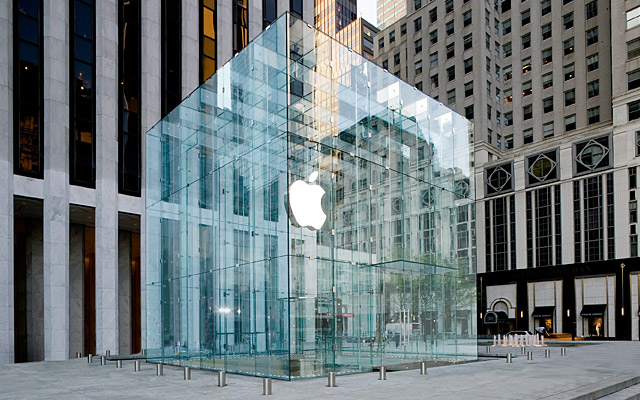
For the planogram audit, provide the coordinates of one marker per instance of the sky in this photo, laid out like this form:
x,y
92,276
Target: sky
x,y
367,9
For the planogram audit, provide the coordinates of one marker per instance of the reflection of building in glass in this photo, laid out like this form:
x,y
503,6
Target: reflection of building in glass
x,y
239,279
358,35
333,15
389,11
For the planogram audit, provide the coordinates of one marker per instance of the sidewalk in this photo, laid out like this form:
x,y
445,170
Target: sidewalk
x,y
585,369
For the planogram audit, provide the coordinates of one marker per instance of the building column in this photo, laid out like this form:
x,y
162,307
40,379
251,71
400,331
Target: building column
x,y
106,227
6,182
56,181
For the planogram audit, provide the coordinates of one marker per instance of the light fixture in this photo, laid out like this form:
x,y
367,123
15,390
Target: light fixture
x,y
568,312
521,314
480,315
224,310
622,311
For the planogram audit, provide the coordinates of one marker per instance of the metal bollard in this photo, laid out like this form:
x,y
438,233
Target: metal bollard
x,y
523,350
547,353
222,378
266,387
78,355
159,369
89,358
144,352
530,355
423,368
487,349
187,373
118,363
332,379
509,358
107,353
383,374
103,360
136,365
563,351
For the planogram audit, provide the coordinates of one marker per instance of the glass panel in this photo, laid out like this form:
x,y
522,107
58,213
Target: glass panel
x,y
283,197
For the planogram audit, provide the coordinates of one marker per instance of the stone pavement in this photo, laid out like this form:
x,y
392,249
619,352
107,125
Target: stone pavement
x,y
586,370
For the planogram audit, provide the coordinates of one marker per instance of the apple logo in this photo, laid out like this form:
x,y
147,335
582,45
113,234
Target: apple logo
x,y
305,202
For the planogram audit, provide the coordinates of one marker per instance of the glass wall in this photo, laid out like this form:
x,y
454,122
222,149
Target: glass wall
x,y
309,212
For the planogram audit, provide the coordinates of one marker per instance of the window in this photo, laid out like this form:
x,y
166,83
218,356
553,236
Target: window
x,y
546,31
592,36
570,123
507,72
468,65
487,18
508,96
565,2
435,82
496,24
569,97
633,48
385,64
568,47
417,4
417,24
240,25
466,18
28,134
547,105
507,49
526,41
449,29
451,96
497,48
433,60
488,41
567,21
296,7
82,151
633,80
208,27
417,46
506,27
593,89
526,65
508,142
468,112
419,85
527,112
269,12
403,29
508,118
591,9
506,6
433,15
547,130
593,115
488,64
448,6
592,62
547,80
381,43
396,59
129,132
468,89
569,72
592,154
527,136
468,42
499,178
546,7
526,88
634,110
525,17
450,51
433,36
392,36
418,67
633,18
451,73
171,55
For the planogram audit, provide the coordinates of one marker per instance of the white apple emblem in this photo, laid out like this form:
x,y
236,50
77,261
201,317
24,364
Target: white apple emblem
x,y
305,202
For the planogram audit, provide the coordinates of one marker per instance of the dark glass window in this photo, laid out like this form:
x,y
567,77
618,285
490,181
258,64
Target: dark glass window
x,y
28,92
295,6
241,194
208,39
610,219
577,240
82,151
500,237
240,25
593,219
544,232
558,224
129,77
269,12
171,55
417,24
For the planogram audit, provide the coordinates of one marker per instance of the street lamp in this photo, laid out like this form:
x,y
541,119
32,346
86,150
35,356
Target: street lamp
x,y
622,276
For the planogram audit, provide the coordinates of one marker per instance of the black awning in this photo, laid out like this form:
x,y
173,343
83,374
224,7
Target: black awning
x,y
593,310
543,312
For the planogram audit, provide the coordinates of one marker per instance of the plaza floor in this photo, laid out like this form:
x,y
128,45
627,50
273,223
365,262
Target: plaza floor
x,y
588,371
